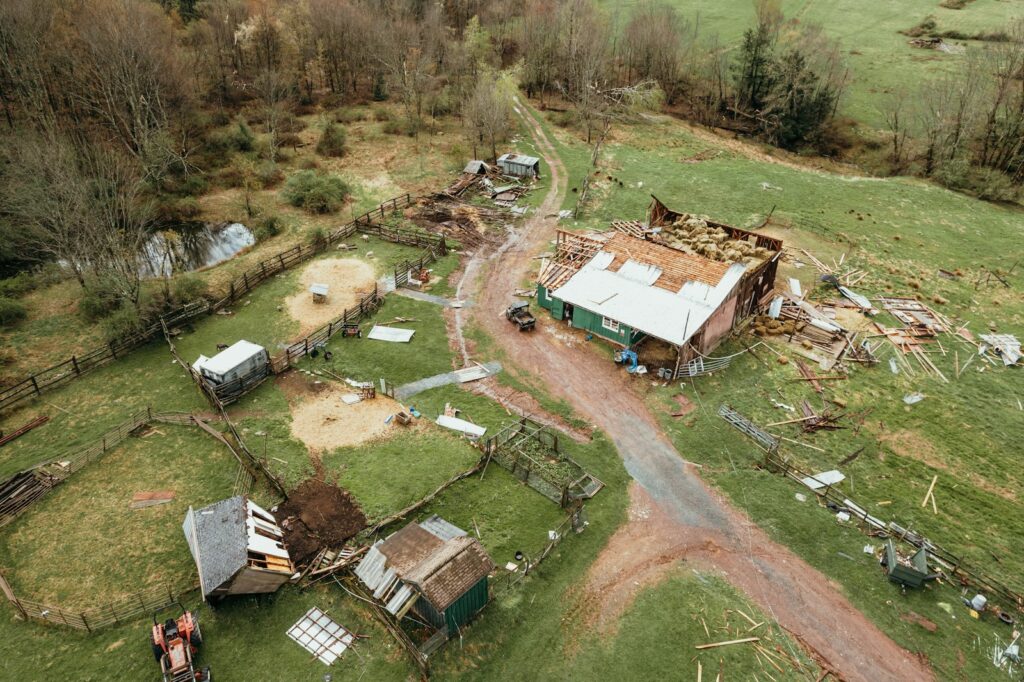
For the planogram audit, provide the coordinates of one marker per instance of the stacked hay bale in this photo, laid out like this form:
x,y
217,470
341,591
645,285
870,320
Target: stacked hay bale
x,y
692,234
766,326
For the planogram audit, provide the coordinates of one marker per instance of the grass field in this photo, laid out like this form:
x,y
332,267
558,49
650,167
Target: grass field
x,y
880,59
965,432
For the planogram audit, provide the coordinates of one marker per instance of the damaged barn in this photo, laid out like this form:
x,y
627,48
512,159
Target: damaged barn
x,y
679,279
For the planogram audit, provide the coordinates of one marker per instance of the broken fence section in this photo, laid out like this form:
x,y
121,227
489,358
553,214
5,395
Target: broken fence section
x,y
956,566
530,452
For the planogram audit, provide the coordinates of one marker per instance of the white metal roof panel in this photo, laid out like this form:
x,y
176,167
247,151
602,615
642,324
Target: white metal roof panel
x,y
456,424
671,317
392,334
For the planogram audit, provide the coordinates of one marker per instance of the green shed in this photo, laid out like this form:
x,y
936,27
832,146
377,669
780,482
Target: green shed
x,y
432,568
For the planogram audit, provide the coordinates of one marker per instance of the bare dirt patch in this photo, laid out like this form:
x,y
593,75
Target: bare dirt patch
x,y
318,514
323,421
346,279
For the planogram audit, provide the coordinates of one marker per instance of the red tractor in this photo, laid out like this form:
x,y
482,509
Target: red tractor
x,y
175,643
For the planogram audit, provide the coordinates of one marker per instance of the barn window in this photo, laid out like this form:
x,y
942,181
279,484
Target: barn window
x,y
610,324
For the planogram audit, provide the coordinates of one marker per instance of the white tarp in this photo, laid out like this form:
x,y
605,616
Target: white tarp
x,y
794,286
318,634
456,424
825,478
775,309
392,334
350,398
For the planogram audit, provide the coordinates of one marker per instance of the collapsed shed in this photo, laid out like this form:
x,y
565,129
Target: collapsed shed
x,y
432,568
238,548
637,282
519,165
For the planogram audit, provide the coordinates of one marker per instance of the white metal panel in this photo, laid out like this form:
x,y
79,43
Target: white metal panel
x,y
392,334
462,425
640,272
825,478
601,260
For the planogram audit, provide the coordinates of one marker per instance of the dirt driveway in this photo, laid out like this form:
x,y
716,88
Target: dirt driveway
x,y
693,522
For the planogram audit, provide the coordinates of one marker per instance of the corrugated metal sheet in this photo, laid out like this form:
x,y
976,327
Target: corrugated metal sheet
x,y
441,528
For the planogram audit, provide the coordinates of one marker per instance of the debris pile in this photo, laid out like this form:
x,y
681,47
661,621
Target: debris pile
x,y
316,515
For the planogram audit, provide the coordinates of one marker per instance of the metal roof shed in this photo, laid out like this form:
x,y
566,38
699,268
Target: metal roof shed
x,y
238,548
433,568
519,165
239,360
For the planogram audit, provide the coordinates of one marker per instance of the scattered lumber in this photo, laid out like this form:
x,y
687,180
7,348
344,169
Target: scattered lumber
x,y
745,640
21,431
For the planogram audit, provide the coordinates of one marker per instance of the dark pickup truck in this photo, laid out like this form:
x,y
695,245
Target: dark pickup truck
x,y
519,314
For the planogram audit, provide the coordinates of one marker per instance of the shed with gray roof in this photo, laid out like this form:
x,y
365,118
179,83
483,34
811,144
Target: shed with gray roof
x,y
238,548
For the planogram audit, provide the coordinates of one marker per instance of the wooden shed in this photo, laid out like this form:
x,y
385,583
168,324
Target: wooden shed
x,y
432,568
238,548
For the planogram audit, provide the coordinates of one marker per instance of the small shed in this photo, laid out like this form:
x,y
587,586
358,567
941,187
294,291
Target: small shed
x,y
238,548
319,292
476,167
519,165
432,568
235,362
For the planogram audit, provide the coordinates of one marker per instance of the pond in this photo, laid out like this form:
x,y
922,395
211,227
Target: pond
x,y
192,246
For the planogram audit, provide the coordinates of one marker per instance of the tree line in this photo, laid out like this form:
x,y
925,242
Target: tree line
x,y
117,112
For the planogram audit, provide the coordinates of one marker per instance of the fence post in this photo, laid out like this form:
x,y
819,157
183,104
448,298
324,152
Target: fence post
x,y
245,278
5,587
231,296
330,329
74,363
305,344
34,384
85,622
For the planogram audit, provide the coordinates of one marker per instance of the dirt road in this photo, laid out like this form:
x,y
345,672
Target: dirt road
x,y
692,522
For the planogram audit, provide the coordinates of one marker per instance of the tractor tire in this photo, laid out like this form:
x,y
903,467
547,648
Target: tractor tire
x,y
197,636
207,675
158,653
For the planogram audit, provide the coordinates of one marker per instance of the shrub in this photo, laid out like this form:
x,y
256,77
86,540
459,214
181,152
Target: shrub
x,y
97,303
241,137
269,175
189,288
332,141
380,89
271,226
309,163
316,192
16,286
395,128
11,312
289,123
122,323
349,115
380,114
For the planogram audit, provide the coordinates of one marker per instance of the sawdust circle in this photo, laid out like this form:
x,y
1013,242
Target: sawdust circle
x,y
323,421
346,279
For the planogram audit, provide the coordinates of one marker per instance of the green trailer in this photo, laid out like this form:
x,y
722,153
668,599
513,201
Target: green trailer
x,y
912,573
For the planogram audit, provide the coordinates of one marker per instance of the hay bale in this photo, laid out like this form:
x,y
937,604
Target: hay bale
x,y
807,344
783,360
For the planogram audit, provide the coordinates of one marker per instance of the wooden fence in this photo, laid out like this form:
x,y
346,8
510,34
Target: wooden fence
x,y
958,567
64,372
551,473
24,489
118,612
429,255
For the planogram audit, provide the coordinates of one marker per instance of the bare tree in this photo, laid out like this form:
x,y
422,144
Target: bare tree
x,y
585,51
897,122
656,41
488,112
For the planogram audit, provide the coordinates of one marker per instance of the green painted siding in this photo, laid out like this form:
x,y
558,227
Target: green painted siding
x,y
543,300
465,607
591,322
459,613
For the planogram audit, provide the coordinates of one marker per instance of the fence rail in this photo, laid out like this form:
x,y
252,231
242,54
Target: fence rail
x,y
77,365
957,566
551,473
94,618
